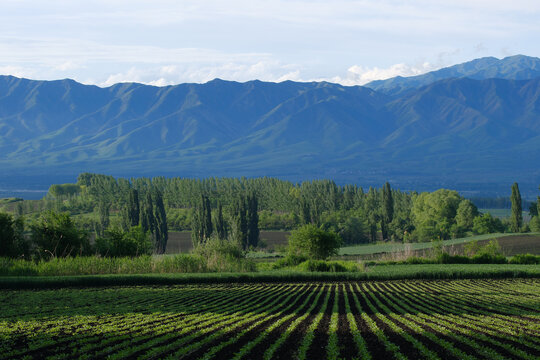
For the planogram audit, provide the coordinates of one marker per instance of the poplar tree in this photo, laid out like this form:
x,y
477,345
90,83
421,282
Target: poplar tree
x,y
516,219
147,214
387,210
239,222
371,206
133,207
221,227
202,221
161,233
252,220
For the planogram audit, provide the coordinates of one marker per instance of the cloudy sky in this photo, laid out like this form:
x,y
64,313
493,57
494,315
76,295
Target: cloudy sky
x,y
172,41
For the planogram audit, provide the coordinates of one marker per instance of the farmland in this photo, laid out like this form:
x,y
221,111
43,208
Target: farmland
x,y
457,319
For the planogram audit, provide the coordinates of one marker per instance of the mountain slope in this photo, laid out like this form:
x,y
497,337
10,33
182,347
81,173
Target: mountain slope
x,y
518,67
459,132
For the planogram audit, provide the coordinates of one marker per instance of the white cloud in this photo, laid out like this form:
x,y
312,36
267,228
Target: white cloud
x,y
360,75
16,71
68,65
265,70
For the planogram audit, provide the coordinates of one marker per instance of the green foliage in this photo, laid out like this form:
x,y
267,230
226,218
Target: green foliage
x,y
12,241
487,224
202,222
270,220
239,222
465,214
117,243
525,259
387,210
147,219
534,224
289,260
328,266
516,219
223,255
349,225
314,242
252,220
371,209
221,226
161,232
179,219
533,209
133,207
60,190
434,214
56,235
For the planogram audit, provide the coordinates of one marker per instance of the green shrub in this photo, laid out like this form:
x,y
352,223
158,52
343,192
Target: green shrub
x,y
327,266
289,260
486,258
314,243
117,243
12,242
525,259
223,255
57,235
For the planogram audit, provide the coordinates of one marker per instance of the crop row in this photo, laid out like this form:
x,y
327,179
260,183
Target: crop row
x,y
436,319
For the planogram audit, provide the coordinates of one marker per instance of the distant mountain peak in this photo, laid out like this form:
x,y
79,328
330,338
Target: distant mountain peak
x,y
515,67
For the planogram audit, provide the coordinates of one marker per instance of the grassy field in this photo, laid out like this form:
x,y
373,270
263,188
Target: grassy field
x,y
511,244
377,272
505,213
458,319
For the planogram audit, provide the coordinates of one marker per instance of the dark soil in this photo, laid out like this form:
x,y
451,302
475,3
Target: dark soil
x,y
290,346
259,349
374,346
229,351
347,346
317,350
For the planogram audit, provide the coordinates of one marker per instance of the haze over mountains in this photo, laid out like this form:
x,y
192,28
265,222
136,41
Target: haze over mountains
x,y
472,127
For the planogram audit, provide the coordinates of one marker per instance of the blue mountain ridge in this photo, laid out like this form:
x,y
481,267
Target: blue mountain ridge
x,y
469,133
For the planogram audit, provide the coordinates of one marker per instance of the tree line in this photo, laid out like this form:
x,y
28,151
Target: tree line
x,y
237,208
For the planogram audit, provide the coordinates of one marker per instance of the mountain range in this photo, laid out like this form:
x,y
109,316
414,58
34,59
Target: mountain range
x,y
473,127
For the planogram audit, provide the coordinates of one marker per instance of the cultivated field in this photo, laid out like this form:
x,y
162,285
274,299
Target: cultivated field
x,y
450,319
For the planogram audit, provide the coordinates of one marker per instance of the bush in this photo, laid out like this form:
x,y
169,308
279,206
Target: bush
x,y
486,258
223,255
314,243
534,224
57,235
289,260
117,243
487,224
525,259
328,266
12,242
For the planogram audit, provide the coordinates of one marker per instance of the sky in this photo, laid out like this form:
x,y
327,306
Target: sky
x,y
164,42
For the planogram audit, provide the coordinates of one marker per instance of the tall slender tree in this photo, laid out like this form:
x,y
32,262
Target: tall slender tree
x,y
161,233
147,214
252,220
103,216
516,219
239,222
133,207
202,221
221,226
371,209
387,210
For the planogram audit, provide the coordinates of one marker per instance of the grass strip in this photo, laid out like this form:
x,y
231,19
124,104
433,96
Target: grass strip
x,y
384,272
